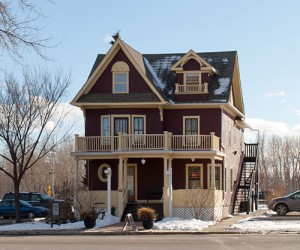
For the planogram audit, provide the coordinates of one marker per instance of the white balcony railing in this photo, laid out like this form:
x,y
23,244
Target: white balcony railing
x,y
166,141
191,88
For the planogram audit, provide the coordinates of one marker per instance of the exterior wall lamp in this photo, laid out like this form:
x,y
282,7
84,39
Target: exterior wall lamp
x,y
143,161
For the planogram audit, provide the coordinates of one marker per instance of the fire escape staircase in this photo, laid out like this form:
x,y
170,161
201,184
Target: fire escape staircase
x,y
246,188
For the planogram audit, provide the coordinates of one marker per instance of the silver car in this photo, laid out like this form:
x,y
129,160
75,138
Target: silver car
x,y
285,204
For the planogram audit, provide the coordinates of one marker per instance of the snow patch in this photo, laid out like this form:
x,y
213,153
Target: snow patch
x,y
157,82
224,84
174,223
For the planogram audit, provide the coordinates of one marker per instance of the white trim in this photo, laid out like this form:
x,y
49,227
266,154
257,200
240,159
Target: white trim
x,y
125,83
101,170
221,175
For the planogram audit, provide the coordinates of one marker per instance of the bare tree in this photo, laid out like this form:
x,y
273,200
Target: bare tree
x,y
30,122
18,28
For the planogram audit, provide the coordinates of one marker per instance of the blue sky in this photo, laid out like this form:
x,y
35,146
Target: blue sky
x,y
264,32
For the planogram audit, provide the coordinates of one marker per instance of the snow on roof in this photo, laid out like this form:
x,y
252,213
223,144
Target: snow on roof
x,y
164,64
224,85
156,80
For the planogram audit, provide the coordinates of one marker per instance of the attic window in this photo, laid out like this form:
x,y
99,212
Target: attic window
x,y
120,71
192,78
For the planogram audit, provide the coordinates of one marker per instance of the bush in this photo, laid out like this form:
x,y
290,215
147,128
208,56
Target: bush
x,y
146,213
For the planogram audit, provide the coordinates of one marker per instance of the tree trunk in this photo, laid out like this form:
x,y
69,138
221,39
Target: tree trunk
x,y
17,200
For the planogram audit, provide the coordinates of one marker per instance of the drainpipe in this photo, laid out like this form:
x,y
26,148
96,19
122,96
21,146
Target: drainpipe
x,y
108,173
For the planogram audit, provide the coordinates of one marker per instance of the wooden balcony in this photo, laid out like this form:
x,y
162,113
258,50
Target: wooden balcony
x,y
191,88
166,141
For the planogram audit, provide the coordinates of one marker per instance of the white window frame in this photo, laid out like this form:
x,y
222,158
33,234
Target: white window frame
x,y
125,83
195,73
187,174
185,140
209,166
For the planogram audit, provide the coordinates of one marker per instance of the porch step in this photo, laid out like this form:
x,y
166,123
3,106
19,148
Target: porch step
x,y
133,206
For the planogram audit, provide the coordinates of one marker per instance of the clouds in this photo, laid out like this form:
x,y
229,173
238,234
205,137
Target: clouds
x,y
274,94
270,128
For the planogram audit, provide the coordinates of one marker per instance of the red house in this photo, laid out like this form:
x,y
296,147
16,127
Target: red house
x,y
171,129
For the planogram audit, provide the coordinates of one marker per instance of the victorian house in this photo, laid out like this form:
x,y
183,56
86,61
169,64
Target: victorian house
x,y
170,127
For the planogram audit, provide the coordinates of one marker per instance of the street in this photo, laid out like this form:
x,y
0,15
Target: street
x,y
140,242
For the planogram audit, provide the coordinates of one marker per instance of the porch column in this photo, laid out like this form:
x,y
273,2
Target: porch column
x,y
170,175
125,181
165,191
75,182
213,174
120,188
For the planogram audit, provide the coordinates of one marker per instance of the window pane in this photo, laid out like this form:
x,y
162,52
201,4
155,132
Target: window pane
x,y
194,177
191,126
138,125
120,77
192,78
120,88
105,126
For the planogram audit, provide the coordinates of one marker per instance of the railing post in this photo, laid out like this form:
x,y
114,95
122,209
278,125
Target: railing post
x,y
212,135
167,140
76,142
120,141
205,87
176,88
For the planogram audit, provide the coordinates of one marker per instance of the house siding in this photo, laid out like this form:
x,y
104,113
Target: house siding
x,y
93,121
210,120
232,140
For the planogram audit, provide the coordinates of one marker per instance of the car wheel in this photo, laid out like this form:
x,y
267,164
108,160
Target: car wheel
x,y
31,215
281,209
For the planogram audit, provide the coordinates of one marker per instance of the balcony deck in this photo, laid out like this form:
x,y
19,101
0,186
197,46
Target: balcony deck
x,y
166,141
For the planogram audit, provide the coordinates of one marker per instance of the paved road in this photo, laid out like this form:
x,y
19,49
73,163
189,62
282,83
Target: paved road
x,y
141,242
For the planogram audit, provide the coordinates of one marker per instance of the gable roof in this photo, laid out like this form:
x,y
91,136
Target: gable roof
x,y
157,72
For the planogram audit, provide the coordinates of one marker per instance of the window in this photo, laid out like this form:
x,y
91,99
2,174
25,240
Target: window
x,y
105,129
121,124
138,129
120,77
120,83
225,179
192,78
191,128
218,176
194,176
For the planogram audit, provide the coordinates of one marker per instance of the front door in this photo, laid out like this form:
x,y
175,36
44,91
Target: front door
x,y
131,182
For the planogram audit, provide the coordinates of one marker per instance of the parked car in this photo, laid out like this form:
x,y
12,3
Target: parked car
x,y
33,198
8,209
285,204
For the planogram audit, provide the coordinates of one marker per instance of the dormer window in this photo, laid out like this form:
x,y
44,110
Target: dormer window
x,y
120,71
192,78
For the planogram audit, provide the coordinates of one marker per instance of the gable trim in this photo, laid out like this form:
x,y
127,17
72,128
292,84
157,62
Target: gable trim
x,y
102,65
178,66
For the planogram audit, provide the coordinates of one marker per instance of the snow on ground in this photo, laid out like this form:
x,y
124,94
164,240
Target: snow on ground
x,y
261,223
41,225
180,224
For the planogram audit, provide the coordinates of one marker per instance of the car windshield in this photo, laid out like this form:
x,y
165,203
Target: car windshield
x,y
46,197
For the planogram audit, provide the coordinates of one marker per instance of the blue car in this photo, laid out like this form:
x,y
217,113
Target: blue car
x,y
8,209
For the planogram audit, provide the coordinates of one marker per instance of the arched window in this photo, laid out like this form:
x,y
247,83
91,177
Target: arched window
x,y
120,71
